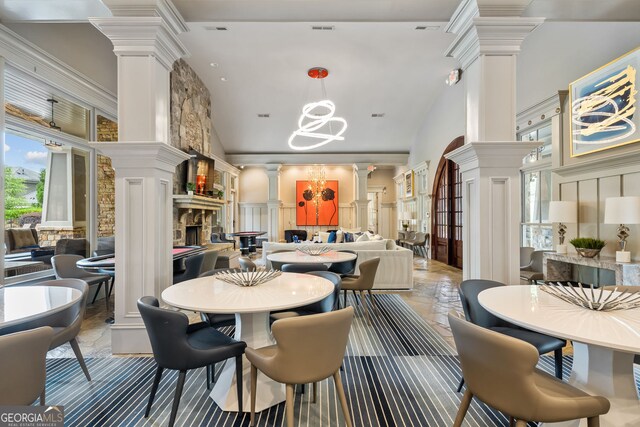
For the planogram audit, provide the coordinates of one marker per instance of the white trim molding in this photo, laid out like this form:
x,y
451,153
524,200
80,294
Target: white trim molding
x,y
251,159
531,117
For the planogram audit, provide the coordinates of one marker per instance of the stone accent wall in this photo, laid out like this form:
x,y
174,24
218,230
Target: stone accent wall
x,y
48,236
107,131
190,129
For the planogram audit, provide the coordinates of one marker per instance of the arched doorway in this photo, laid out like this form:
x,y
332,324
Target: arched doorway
x,y
446,241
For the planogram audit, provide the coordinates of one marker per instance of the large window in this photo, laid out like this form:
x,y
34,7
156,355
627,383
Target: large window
x,y
536,191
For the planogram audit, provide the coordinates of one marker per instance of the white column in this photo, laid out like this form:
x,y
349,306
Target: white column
x,y
144,162
489,35
273,203
2,183
360,202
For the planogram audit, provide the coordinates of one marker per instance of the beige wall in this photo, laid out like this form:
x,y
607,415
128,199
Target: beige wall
x,y
254,185
290,174
384,178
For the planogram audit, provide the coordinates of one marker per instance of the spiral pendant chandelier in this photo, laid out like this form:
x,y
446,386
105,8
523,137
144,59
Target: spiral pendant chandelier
x,y
317,122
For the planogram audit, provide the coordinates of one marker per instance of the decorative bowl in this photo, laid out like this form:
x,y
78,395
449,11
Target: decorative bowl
x,y
314,250
247,278
588,253
593,299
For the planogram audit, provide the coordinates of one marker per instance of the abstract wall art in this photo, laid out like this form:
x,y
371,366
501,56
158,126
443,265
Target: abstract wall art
x,y
603,106
317,204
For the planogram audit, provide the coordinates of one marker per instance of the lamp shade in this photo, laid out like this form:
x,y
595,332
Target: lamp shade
x,y
563,211
622,210
405,216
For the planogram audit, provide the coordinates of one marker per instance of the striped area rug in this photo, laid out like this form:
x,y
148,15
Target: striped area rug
x,y
397,372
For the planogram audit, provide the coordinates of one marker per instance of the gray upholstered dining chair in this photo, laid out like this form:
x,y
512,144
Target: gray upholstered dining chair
x,y
532,272
308,349
219,237
501,372
303,267
23,365
347,267
66,324
475,313
180,346
362,283
325,305
209,261
525,256
246,264
193,266
64,267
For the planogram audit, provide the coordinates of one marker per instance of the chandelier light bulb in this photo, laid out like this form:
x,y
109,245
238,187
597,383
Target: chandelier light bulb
x,y
313,119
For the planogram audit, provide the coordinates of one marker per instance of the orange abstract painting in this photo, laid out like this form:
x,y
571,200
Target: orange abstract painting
x,y
316,205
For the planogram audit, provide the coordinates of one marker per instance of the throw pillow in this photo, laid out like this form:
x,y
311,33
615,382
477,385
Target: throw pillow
x,y
332,237
339,236
363,238
324,237
348,237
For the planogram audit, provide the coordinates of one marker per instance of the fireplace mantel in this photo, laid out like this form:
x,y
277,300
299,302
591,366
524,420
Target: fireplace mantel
x,y
184,201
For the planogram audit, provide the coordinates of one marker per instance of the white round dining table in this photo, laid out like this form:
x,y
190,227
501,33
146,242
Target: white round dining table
x,y
20,304
251,306
297,257
604,344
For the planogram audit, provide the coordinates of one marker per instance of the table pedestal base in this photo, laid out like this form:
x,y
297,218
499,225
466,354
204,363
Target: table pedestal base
x,y
609,373
254,329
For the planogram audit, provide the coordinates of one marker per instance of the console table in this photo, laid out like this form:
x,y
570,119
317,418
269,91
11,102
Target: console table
x,y
558,267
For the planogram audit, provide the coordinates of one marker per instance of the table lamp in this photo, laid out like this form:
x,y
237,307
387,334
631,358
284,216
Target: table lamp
x,y
622,211
562,212
405,217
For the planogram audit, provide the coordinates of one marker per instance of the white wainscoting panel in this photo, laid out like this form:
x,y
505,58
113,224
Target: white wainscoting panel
x,y
253,217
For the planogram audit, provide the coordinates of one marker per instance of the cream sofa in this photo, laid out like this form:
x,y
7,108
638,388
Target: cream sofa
x,y
396,264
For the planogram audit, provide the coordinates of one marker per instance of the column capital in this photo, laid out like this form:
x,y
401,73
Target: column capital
x,y
140,155
359,167
488,28
491,154
273,169
143,36
164,9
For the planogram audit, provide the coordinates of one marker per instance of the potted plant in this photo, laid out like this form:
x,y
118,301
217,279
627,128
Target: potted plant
x,y
220,194
587,246
191,187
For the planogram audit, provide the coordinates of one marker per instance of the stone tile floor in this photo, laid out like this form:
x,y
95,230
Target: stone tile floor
x,y
434,294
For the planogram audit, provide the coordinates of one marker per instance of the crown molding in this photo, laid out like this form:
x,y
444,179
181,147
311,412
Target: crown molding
x,y
532,116
142,36
25,57
491,154
489,36
142,155
162,8
392,159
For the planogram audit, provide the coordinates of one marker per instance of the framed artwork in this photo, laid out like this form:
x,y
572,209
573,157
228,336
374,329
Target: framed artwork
x,y
603,106
317,205
408,184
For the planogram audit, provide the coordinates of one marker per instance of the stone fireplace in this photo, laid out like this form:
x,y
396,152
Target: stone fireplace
x,y
194,218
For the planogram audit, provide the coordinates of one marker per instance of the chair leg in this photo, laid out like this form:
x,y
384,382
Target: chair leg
x,y
239,382
289,405
78,353
302,387
106,294
521,423
460,385
113,282
593,422
345,298
374,304
464,406
43,395
97,292
208,377
512,421
176,399
254,380
315,392
343,399
154,389
213,373
364,306
557,355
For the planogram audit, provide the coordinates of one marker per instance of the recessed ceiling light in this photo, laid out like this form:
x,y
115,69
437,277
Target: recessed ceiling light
x,y
323,28
210,28
214,64
428,27
224,79
377,115
264,115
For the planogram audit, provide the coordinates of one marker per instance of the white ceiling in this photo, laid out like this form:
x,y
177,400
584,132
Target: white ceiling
x,y
388,68
378,62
